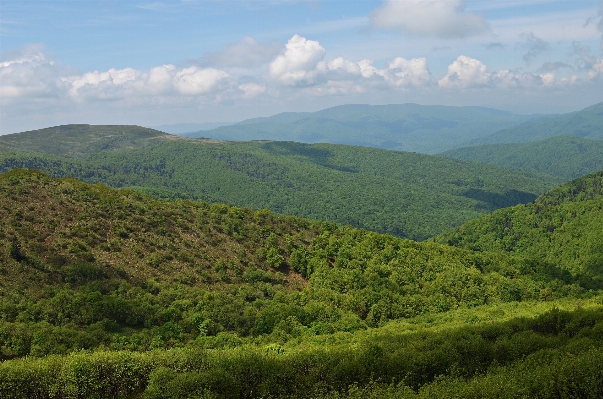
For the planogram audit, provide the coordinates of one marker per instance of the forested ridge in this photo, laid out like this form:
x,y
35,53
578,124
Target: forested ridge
x,y
406,194
180,299
564,157
562,227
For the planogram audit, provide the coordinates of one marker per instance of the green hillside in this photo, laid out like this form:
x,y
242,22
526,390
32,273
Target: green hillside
x,y
564,157
175,299
78,140
587,124
403,127
563,228
406,194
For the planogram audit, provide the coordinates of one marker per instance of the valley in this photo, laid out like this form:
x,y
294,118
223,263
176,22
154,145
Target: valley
x,y
138,264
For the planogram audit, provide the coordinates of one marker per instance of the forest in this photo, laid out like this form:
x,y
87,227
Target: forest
x,y
110,293
405,194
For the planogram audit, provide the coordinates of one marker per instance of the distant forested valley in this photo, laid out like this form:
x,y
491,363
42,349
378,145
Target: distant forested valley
x,y
138,264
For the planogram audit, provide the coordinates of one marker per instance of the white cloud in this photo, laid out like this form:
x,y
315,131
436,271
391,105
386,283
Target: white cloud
x,y
194,81
439,18
29,73
465,72
400,72
596,71
247,53
128,82
251,90
342,64
300,58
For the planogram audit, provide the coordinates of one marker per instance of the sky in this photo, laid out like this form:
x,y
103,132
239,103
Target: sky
x,y
154,63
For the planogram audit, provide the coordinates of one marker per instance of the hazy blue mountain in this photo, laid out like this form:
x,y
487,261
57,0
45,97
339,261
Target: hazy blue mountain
x,y
405,127
565,157
586,123
187,128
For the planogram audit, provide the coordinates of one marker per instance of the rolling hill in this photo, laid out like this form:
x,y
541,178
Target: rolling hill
x,y
564,157
562,227
78,140
406,194
404,127
173,299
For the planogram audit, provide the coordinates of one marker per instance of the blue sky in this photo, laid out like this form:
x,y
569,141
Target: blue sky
x,y
163,62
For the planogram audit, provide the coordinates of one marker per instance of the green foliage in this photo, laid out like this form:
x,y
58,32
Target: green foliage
x,y
564,157
405,194
561,228
496,359
124,296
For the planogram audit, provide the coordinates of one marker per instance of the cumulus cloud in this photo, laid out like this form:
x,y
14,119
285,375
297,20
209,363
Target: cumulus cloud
x,y
439,18
465,72
535,46
128,82
29,73
297,63
399,72
194,81
247,53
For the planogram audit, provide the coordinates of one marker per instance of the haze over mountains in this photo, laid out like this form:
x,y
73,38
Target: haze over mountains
x,y
409,195
404,127
413,127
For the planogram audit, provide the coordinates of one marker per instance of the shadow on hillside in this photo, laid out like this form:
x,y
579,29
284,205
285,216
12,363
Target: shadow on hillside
x,y
491,201
318,156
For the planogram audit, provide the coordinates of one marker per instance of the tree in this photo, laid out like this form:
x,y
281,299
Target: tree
x,y
16,252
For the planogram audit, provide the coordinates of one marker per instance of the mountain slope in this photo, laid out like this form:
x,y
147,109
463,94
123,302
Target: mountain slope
x,y
586,123
406,194
562,227
565,157
78,140
173,299
118,268
405,127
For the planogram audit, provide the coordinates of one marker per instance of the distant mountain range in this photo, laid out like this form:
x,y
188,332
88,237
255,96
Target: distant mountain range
x,y
404,127
411,127
587,123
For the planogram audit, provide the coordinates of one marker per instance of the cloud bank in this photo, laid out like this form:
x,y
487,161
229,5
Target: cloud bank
x,y
299,71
